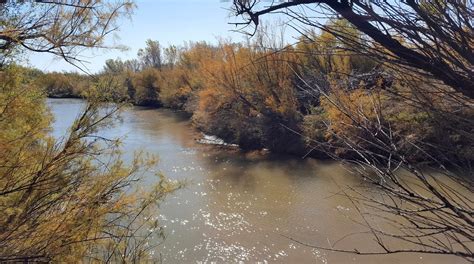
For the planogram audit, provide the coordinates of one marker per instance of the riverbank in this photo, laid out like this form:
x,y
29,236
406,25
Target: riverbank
x,y
239,206
288,104
202,137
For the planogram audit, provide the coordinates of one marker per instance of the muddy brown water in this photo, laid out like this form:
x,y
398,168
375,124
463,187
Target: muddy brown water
x,y
241,207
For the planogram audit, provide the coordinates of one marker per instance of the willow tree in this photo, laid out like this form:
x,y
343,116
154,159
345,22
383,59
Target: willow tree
x,y
427,47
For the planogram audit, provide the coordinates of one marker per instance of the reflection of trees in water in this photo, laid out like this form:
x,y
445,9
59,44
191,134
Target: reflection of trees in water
x,y
162,123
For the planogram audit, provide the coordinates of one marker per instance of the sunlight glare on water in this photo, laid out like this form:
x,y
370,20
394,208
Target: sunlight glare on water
x,y
237,207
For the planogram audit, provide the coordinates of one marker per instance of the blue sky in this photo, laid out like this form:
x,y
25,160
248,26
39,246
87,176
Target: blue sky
x,y
168,21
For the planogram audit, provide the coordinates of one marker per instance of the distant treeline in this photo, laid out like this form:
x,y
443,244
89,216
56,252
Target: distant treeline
x,y
288,99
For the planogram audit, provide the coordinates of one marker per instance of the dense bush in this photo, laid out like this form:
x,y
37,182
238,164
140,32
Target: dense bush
x,y
298,100
146,85
58,202
64,84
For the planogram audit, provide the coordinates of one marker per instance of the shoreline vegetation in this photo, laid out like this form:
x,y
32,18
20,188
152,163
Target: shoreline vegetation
x,y
385,86
287,99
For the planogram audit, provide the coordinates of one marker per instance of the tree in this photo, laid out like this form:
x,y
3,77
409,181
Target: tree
x,y
433,37
69,200
116,66
171,55
426,46
58,27
147,87
132,65
150,56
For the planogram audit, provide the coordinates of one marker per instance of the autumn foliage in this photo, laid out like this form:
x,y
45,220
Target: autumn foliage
x,y
69,200
305,99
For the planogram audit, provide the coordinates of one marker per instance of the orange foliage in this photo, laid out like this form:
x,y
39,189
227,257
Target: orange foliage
x,y
348,110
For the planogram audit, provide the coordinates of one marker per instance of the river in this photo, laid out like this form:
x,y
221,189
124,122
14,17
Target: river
x,y
240,207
